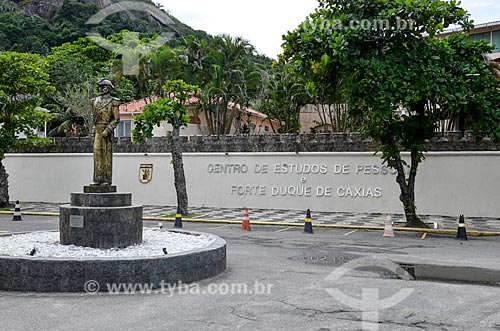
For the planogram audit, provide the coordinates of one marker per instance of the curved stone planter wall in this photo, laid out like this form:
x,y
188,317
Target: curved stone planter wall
x,y
38,274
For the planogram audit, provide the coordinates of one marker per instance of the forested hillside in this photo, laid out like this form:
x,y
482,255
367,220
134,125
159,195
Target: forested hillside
x,y
133,52
37,25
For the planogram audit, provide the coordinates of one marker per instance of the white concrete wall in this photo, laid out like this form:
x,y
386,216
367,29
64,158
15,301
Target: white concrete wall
x,y
448,183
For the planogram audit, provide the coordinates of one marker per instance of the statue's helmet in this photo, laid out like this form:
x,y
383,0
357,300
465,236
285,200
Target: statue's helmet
x,y
105,82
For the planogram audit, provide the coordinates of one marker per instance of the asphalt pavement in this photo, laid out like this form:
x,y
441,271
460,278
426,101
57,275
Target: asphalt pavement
x,y
279,278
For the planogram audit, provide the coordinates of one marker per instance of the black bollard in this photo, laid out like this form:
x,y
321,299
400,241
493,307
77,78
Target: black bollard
x,y
308,228
178,219
462,228
17,212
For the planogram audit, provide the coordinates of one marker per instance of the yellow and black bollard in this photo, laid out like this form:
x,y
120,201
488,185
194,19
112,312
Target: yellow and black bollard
x,y
462,228
308,228
17,212
178,219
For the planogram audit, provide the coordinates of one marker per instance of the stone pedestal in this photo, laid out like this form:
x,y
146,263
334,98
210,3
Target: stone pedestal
x,y
99,189
100,219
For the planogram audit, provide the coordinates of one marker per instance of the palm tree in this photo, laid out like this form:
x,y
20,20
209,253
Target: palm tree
x,y
219,67
133,58
72,113
284,97
160,66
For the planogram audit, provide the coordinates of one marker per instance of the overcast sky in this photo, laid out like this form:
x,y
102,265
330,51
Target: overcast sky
x,y
263,22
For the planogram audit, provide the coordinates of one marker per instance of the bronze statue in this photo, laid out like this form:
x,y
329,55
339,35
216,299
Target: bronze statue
x,y
105,113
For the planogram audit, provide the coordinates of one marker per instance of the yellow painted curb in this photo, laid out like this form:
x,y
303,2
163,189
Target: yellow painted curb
x,y
285,224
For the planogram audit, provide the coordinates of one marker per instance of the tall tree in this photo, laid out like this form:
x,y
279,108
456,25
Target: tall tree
x,y
22,84
73,69
284,96
174,111
77,62
390,56
162,65
220,67
145,62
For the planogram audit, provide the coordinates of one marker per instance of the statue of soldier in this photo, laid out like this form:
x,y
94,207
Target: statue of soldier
x,y
105,113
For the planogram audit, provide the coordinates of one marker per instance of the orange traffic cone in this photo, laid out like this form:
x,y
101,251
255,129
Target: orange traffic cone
x,y
246,221
388,230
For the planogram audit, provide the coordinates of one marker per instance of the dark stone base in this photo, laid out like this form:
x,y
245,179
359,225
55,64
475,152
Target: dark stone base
x,y
36,274
101,200
99,189
100,220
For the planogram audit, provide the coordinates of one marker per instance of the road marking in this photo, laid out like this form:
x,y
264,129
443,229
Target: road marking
x,y
424,236
220,227
50,221
285,229
349,233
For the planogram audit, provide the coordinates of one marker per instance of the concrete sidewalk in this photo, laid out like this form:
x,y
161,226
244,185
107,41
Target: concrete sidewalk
x,y
293,216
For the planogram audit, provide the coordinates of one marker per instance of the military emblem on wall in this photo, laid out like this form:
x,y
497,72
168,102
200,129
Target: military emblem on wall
x,y
145,173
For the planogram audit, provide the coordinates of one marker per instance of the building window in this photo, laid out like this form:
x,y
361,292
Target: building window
x,y
480,36
496,41
124,129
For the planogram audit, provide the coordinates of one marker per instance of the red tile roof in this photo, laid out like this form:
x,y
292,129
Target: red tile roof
x,y
247,110
136,106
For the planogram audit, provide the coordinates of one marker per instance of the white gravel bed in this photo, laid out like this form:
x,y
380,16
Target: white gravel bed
x,y
154,240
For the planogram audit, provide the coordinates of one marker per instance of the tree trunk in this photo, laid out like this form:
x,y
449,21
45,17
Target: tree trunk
x,y
179,177
321,113
407,188
4,187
